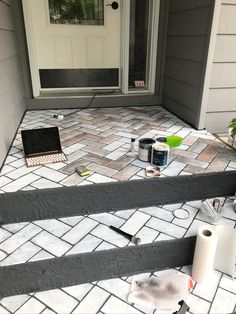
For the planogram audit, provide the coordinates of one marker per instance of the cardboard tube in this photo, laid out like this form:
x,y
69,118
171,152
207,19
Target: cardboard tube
x,y
204,255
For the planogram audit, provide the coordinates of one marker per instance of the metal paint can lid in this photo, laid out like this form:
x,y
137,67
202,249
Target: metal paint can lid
x,y
146,143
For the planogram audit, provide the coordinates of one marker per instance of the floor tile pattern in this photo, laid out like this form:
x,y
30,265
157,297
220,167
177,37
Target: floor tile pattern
x,y
100,139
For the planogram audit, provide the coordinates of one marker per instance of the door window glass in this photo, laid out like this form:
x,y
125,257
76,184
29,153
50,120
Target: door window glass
x,y
82,12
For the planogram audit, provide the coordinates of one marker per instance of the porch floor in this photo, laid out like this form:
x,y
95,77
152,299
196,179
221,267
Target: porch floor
x,y
100,139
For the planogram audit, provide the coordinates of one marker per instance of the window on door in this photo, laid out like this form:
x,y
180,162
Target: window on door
x,y
78,12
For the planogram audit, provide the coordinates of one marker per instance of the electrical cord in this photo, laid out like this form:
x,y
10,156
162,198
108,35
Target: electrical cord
x,y
61,117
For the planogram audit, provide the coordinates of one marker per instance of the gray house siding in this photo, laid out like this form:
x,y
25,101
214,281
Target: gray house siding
x,y
187,43
221,105
12,94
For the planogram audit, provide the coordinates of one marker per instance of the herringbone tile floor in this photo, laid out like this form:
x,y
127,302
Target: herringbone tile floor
x,y
100,139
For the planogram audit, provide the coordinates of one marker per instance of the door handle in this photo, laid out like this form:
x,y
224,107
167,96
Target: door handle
x,y
114,5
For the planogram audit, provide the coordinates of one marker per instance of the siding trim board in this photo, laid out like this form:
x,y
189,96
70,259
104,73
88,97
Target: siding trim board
x,y
220,90
11,88
188,28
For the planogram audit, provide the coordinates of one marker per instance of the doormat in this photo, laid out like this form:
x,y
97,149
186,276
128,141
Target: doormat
x,y
104,197
88,267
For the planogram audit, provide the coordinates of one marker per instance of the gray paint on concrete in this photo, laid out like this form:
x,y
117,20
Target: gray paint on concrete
x,y
12,93
186,52
104,197
88,267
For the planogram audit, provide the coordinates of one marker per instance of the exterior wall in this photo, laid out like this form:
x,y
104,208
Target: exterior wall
x,y
12,93
221,102
187,41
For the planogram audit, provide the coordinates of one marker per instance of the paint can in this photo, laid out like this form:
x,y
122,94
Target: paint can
x,y
160,154
145,149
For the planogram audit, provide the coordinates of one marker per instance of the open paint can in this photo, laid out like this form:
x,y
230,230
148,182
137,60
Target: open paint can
x,y
160,154
145,149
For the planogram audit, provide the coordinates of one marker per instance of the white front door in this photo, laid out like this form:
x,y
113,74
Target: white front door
x,y
92,50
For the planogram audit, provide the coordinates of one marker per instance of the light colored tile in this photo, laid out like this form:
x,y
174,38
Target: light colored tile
x,y
52,244
197,305
117,286
4,234
105,246
172,207
166,227
116,154
125,213
31,306
6,169
135,222
4,181
3,311
47,311
50,174
14,302
72,180
206,291
92,302
232,164
21,255
228,283
19,238
73,148
54,226
193,230
108,219
80,230
98,178
76,155
2,255
174,168
72,221
57,300
163,237
41,256
87,244
15,227
78,291
113,146
147,235
158,212
224,302
124,134
116,306
19,172
44,184
20,183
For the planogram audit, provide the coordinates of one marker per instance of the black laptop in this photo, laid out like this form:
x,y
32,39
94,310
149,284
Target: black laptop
x,y
42,146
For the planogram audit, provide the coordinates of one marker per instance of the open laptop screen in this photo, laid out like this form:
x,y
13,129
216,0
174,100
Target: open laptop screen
x,y
43,140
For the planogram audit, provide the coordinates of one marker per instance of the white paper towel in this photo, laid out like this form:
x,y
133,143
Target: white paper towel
x,y
204,254
215,248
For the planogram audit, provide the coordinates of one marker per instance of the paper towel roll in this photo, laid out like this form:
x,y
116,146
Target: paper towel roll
x,y
204,255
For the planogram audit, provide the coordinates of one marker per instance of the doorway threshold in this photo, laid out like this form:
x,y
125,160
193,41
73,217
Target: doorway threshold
x,y
78,94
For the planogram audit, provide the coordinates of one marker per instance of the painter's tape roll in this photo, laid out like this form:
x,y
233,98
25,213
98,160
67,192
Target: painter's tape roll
x,y
204,255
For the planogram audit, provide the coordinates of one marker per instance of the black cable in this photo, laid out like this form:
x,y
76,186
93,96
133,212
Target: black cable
x,y
86,107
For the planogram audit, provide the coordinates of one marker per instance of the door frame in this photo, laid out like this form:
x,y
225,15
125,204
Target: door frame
x,y
124,52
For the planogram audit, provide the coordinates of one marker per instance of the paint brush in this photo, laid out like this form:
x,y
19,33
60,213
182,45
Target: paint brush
x,y
132,238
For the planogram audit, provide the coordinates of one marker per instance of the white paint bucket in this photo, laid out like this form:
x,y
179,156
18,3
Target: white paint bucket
x,y
145,149
160,154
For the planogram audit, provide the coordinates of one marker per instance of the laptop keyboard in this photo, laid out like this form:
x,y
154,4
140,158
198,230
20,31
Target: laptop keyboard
x,y
39,160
